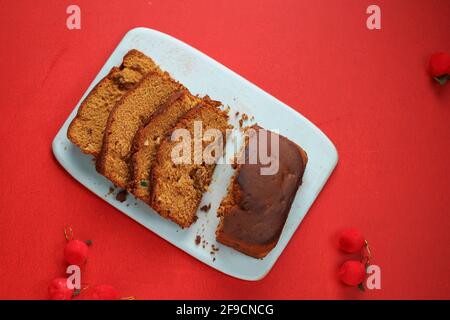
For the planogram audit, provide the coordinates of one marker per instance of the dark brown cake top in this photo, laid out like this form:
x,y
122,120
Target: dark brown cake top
x,y
264,201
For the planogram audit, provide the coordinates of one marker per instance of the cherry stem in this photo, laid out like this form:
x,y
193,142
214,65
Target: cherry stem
x,y
369,253
68,233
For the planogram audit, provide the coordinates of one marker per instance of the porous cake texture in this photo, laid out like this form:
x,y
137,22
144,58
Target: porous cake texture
x,y
176,189
87,128
132,112
147,141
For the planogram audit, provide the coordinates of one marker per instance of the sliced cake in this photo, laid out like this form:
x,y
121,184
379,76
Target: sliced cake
x,y
87,128
177,187
137,61
254,212
148,139
130,114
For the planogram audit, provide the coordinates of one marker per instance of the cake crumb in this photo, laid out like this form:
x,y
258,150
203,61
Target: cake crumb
x,y
198,239
206,207
110,191
244,117
236,114
122,196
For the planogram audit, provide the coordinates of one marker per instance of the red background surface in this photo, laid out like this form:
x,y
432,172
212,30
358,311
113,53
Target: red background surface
x,y
367,90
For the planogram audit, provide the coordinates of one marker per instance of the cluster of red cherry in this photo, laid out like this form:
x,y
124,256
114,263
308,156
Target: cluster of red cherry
x,y
353,272
76,253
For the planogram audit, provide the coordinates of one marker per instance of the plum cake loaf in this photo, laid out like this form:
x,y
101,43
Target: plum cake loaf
x,y
253,213
87,128
129,114
176,188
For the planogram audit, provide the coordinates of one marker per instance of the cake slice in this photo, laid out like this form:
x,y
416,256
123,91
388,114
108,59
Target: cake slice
x,y
147,141
87,128
137,61
130,114
253,213
177,188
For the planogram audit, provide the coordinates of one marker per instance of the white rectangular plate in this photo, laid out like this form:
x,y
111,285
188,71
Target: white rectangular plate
x,y
203,75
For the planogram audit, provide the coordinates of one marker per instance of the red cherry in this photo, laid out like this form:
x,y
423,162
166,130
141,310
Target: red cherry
x,y
105,292
58,290
352,272
439,64
76,252
351,240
